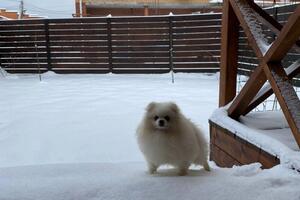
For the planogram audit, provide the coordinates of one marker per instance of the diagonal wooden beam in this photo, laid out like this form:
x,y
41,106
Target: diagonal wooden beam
x,y
286,95
269,21
265,18
250,25
287,37
229,56
267,91
248,92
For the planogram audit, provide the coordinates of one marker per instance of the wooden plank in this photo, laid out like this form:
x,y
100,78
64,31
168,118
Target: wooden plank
x,y
141,71
248,92
140,25
8,61
197,53
79,43
257,79
255,39
196,47
140,54
265,18
27,65
197,65
22,49
140,65
140,48
196,23
140,43
80,60
65,54
141,37
204,35
198,17
79,48
229,48
22,44
140,31
85,26
197,29
221,158
286,95
140,60
81,70
78,31
239,149
206,69
80,65
17,27
192,59
267,91
139,19
26,70
100,20
197,41
23,21
82,37
25,38
286,39
22,33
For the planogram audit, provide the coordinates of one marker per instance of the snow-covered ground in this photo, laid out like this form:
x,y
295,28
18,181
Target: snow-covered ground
x,y
73,137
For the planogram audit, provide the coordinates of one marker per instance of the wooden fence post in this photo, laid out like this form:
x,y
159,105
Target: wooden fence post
x,y
109,44
48,51
171,43
229,56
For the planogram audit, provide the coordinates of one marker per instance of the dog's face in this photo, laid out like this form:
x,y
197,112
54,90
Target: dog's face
x,y
162,115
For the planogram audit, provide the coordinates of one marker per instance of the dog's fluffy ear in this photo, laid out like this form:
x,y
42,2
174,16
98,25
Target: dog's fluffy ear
x,y
150,106
174,107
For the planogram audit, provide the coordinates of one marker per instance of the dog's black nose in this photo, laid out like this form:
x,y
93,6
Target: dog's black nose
x,y
161,123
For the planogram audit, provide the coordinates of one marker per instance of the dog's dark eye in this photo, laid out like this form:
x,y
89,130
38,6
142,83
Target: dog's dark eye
x,y
167,118
156,117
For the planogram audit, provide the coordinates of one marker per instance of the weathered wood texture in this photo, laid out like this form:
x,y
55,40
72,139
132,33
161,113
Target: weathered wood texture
x,y
112,44
246,57
229,57
228,149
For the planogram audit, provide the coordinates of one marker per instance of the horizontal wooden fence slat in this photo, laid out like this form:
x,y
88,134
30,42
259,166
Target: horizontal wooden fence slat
x,y
76,26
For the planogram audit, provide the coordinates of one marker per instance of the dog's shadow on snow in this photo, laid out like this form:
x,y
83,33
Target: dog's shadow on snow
x,y
174,173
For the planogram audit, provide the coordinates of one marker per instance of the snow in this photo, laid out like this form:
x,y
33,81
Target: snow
x,y
90,118
128,181
73,137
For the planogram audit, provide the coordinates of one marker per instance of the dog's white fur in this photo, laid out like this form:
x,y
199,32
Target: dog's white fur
x,y
178,142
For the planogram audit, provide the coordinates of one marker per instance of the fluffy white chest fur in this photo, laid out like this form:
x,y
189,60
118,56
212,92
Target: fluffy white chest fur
x,y
165,136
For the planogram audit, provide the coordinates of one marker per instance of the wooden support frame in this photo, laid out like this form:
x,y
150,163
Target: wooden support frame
x,y
229,57
250,16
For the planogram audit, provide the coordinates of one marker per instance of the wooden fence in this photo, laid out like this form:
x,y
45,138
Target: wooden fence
x,y
155,44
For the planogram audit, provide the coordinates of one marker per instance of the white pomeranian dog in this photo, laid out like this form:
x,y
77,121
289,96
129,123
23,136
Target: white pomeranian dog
x,y
166,136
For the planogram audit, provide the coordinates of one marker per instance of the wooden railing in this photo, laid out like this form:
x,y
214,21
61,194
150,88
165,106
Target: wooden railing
x,y
247,59
184,43
270,55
